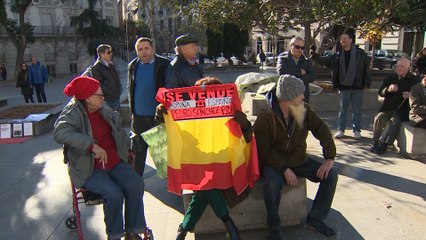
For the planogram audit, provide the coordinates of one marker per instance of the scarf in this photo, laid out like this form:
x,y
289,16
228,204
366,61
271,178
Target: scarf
x,y
347,76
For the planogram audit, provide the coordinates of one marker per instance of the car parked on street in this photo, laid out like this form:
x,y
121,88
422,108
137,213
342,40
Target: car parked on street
x,y
386,58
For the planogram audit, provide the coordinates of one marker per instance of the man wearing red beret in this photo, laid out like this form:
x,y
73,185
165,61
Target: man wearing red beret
x,y
97,148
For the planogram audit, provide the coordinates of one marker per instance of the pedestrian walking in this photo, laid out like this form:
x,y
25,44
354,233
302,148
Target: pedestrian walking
x,y
3,72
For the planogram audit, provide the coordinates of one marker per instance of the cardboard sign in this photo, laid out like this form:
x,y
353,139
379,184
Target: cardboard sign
x,y
28,128
17,130
5,130
201,101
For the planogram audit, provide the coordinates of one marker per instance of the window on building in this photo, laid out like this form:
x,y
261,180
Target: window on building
x,y
51,70
259,47
161,25
170,25
160,12
73,67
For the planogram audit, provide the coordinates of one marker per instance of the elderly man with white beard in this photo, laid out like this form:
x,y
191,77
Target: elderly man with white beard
x,y
281,134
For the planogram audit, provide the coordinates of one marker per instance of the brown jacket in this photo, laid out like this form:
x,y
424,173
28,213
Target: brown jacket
x,y
281,148
418,103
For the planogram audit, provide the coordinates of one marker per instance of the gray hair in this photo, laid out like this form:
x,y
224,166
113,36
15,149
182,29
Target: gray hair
x,y
294,39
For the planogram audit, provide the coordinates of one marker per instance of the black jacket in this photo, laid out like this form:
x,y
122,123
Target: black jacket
x,y
109,79
160,67
394,99
362,78
181,74
286,65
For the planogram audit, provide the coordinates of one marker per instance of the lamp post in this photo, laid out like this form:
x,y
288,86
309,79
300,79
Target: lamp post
x,y
127,38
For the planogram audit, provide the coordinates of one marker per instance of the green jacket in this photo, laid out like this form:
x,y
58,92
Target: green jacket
x,y
281,148
73,130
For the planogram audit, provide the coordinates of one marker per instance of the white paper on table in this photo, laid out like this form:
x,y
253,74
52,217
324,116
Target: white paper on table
x,y
28,128
17,129
5,130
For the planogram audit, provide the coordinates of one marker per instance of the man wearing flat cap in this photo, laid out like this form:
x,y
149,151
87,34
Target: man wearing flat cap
x,y
281,134
184,70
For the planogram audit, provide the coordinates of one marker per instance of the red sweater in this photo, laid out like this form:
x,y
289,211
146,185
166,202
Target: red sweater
x,y
102,134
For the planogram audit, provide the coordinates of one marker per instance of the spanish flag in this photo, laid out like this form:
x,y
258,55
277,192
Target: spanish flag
x,y
206,147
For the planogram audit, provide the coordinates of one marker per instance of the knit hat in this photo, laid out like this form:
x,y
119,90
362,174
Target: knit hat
x,y
81,87
289,87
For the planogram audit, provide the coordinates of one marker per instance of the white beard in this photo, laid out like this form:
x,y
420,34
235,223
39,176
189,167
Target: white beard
x,y
298,112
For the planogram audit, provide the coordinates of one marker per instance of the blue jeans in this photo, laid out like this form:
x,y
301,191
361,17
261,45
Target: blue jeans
x,y
354,97
114,186
274,181
114,104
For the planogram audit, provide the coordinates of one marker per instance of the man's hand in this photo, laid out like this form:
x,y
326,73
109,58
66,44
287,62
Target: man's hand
x,y
241,119
290,177
302,71
323,171
406,94
393,88
159,111
100,154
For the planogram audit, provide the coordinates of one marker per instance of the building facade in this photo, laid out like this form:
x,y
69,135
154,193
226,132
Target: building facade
x,y
56,45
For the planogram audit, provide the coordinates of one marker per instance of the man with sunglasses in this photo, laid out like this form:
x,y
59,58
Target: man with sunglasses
x,y
296,64
105,72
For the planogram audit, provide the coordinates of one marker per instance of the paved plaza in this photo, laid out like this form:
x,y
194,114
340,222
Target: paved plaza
x,y
376,198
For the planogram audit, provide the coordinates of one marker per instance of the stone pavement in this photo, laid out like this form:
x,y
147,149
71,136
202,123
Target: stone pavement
x,y
377,197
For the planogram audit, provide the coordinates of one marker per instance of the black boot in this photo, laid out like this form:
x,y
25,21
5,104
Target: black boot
x,y
374,148
181,234
382,148
232,229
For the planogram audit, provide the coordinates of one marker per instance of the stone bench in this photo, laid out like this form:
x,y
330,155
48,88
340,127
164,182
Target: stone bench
x,y
251,213
3,102
411,141
323,102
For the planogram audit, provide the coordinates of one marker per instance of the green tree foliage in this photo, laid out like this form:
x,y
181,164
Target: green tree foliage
x,y
20,33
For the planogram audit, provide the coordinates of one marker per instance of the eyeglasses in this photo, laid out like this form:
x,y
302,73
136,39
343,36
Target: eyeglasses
x,y
299,47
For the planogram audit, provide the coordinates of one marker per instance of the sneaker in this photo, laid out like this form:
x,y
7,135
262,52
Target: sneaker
x,y
339,134
320,227
381,148
132,236
357,135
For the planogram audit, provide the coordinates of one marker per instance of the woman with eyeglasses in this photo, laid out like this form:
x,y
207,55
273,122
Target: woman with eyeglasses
x,y
22,82
97,148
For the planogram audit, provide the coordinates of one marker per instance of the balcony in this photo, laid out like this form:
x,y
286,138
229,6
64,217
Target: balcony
x,y
53,31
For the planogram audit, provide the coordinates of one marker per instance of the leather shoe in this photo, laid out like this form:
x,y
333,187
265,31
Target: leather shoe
x,y
132,236
321,227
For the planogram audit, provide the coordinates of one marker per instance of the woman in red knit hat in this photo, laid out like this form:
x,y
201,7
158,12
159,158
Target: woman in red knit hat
x,y
98,150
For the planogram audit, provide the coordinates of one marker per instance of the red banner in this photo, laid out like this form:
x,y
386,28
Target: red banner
x,y
207,101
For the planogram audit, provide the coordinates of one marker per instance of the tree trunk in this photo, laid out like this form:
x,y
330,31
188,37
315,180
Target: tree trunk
x,y
308,37
152,22
21,44
373,46
413,49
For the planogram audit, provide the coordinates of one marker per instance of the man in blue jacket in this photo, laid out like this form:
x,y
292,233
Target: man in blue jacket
x,y
38,76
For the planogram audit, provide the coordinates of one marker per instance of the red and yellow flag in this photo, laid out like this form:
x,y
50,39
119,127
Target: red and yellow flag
x,y
206,148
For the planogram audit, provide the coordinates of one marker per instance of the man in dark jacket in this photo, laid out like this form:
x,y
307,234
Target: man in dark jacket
x,y
184,70
146,74
296,64
281,134
418,104
106,73
395,108
351,76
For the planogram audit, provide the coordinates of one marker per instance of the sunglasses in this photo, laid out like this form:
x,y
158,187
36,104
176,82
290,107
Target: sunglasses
x,y
299,47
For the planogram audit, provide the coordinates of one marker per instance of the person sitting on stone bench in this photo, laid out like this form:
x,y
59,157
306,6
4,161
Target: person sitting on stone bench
x,y
395,108
418,104
281,134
